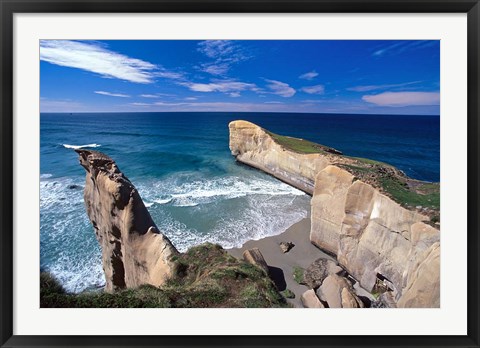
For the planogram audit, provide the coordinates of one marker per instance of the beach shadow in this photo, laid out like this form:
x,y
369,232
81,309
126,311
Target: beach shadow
x,y
276,274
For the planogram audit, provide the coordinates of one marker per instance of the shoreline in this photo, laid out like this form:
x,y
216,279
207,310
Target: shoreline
x,y
282,265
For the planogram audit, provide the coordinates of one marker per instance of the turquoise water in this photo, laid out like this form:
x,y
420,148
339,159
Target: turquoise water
x,y
192,186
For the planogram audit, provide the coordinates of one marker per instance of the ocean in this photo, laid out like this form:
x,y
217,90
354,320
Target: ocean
x,y
192,186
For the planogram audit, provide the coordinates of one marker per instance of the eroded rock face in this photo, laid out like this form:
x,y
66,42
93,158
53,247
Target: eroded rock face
x,y
320,269
255,257
251,145
374,238
337,292
310,300
423,280
134,252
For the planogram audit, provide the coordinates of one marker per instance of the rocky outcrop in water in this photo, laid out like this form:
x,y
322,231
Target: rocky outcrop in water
x,y
376,240
134,252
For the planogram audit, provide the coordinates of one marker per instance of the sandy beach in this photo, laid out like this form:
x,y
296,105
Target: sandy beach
x,y
281,265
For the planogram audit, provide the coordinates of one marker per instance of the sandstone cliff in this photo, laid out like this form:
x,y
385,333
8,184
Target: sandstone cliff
x,y
252,145
134,252
377,240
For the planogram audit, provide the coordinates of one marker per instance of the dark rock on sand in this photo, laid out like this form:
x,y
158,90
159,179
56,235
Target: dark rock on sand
x,y
286,246
255,257
320,269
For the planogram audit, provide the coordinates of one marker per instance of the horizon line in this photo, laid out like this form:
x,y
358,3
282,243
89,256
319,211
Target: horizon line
x,y
237,112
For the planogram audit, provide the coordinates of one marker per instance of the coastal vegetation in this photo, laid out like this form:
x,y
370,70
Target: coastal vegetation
x,y
144,269
394,183
301,145
287,293
298,274
389,219
205,276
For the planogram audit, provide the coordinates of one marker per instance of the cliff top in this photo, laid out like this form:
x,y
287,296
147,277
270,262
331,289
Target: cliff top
x,y
410,193
205,276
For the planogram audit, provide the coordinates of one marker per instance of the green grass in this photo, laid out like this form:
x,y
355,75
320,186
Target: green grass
x,y
205,276
430,187
357,169
369,161
396,185
53,296
301,145
298,274
287,293
379,174
297,145
402,194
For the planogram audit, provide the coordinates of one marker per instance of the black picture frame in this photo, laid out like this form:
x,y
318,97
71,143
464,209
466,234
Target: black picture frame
x,y
10,7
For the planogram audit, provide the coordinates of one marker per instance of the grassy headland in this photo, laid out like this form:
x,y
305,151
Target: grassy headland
x,y
205,276
301,145
393,182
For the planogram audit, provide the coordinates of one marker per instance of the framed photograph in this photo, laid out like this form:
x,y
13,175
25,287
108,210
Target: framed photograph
x,y
236,173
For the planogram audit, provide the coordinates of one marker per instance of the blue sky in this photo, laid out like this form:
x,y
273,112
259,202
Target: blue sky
x,y
360,76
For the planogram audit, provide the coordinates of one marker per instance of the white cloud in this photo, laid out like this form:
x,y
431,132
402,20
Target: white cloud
x,y
191,98
141,104
169,75
217,48
280,88
309,75
235,94
224,54
403,98
220,86
170,104
215,69
227,107
317,89
375,87
112,94
97,59
404,46
157,95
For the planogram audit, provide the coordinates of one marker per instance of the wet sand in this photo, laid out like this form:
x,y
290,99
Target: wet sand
x,y
281,265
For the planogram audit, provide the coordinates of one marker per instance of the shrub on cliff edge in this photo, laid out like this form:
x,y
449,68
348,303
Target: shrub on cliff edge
x,y
206,276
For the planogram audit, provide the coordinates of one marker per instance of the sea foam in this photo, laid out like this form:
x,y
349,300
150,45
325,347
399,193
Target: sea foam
x,y
76,147
205,191
230,210
227,210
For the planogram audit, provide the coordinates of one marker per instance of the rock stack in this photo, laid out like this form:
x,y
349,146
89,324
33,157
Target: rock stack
x,y
134,252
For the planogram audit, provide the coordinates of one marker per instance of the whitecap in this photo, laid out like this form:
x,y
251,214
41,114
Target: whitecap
x,y
75,147
77,275
163,201
193,193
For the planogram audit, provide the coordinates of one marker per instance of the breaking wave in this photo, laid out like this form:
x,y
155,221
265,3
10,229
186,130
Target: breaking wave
x,y
75,147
